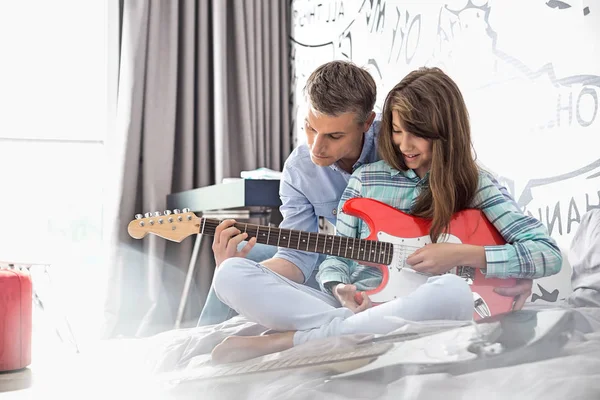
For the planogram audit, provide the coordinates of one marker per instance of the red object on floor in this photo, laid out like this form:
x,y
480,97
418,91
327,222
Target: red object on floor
x,y
15,320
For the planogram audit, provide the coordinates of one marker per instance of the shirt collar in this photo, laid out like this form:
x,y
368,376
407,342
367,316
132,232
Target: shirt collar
x,y
366,155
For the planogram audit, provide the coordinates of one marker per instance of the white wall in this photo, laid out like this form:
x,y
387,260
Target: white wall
x,y
529,71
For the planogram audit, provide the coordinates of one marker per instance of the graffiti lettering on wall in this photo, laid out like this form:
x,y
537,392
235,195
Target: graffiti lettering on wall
x,y
563,216
315,12
585,94
533,90
405,37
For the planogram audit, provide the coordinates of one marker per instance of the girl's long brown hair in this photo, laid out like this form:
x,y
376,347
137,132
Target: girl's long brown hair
x,y
431,106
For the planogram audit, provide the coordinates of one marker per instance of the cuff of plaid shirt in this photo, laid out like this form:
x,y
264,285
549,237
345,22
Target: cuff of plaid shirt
x,y
332,276
499,263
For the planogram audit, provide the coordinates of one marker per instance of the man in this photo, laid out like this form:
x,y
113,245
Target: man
x,y
315,174
341,130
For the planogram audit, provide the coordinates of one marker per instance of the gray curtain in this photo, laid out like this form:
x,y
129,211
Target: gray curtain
x,y
203,94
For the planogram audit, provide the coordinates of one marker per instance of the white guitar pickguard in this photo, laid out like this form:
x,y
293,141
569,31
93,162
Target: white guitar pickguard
x,y
403,280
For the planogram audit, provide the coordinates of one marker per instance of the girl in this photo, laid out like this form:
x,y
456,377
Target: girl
x,y
427,170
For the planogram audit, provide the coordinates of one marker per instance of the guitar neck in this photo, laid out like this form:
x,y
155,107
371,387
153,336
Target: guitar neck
x,y
371,251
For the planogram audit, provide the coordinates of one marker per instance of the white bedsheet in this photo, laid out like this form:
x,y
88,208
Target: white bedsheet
x,y
574,374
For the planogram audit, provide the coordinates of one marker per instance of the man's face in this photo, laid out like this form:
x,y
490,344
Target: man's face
x,y
334,139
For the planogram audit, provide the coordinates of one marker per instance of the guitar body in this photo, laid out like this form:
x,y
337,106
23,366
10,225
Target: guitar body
x,y
409,233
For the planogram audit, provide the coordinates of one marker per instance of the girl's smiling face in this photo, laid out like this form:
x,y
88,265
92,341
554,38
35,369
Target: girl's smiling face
x,y
416,151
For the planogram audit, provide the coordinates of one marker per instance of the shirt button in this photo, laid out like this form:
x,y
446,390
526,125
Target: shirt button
x,y
334,211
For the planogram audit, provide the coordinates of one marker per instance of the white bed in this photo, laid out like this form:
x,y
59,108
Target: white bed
x,y
574,373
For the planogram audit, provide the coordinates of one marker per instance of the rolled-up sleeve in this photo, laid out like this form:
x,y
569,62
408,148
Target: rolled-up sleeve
x,y
530,252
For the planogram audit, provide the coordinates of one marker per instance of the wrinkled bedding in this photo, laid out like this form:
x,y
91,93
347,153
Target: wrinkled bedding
x,y
574,373
131,368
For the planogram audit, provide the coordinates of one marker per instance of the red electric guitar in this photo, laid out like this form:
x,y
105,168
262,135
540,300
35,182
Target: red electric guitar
x,y
394,236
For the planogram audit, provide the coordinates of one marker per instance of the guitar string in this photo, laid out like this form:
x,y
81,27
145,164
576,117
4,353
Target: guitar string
x,y
298,234
321,239
253,227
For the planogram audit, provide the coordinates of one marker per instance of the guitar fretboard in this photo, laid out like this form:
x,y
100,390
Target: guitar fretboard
x,y
356,249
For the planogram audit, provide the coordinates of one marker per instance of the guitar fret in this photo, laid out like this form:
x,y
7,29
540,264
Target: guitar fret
x,y
268,234
299,237
265,235
339,245
324,244
374,252
389,248
282,231
332,242
353,247
203,224
346,249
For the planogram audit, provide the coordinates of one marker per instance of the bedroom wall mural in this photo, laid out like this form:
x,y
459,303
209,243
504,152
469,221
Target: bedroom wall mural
x,y
530,74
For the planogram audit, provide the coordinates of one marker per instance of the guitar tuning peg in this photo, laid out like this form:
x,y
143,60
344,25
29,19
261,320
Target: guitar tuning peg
x,y
167,212
157,213
139,216
176,211
147,215
185,210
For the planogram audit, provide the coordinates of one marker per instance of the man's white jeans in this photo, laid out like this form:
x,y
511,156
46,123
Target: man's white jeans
x,y
277,303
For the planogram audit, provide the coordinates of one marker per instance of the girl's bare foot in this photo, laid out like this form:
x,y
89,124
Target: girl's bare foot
x,y
240,348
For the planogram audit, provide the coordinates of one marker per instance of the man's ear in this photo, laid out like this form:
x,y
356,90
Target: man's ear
x,y
369,121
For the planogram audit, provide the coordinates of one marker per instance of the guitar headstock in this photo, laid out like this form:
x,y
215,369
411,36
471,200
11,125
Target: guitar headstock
x,y
174,226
